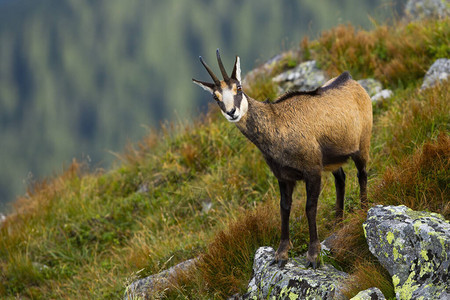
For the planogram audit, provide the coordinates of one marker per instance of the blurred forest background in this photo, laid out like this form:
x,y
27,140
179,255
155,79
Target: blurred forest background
x,y
82,78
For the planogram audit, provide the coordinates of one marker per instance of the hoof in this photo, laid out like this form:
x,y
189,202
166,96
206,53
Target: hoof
x,y
313,255
281,263
283,250
313,264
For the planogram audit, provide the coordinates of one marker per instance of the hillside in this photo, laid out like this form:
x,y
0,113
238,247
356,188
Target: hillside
x,y
82,78
203,189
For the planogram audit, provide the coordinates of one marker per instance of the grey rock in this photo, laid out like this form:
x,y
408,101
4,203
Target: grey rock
x,y
383,94
293,281
423,9
145,287
143,188
438,72
369,294
375,89
415,249
40,267
305,77
206,206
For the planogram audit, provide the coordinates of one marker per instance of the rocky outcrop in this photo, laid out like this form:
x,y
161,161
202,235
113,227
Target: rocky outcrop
x,y
414,247
438,72
304,77
423,9
293,281
269,66
369,294
145,287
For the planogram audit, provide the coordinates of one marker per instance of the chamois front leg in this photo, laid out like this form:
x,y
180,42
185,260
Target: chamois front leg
x,y
312,195
286,190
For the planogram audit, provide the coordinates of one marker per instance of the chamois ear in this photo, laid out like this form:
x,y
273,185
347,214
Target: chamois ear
x,y
209,87
236,74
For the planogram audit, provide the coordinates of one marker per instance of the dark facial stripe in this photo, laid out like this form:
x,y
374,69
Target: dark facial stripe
x,y
221,105
238,99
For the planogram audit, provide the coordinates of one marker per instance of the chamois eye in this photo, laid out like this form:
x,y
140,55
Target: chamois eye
x,y
239,88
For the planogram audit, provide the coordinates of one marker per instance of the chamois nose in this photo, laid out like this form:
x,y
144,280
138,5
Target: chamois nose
x,y
231,112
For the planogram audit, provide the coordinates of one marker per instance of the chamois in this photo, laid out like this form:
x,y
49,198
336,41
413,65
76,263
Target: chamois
x,y
300,135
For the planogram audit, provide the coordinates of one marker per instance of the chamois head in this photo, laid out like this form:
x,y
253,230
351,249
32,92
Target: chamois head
x,y
228,92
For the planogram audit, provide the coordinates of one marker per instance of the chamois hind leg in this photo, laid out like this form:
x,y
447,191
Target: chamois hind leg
x,y
312,196
286,190
339,182
360,163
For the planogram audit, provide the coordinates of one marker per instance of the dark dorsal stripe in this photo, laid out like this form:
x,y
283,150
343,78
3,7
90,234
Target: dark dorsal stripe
x,y
338,82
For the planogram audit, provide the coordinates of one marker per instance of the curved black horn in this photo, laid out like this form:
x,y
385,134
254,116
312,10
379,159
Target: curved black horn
x,y
214,78
222,68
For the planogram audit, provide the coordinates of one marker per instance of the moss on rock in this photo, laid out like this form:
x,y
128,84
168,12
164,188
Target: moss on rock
x,y
414,247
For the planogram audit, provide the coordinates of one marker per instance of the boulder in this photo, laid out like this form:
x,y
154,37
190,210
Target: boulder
x,y
423,9
305,77
292,281
369,294
438,72
414,247
146,287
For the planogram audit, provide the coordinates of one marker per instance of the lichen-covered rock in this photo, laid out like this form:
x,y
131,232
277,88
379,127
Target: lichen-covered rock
x,y
143,288
375,90
369,294
293,281
423,9
439,71
414,247
305,77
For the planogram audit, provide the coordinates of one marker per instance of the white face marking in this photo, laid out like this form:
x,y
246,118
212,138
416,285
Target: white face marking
x,y
228,99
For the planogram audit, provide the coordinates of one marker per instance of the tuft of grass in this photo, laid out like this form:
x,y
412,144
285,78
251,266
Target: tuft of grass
x,y
396,55
350,251
420,181
349,244
229,258
368,274
417,115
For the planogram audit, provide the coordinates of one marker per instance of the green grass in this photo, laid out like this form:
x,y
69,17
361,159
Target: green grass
x,y
86,234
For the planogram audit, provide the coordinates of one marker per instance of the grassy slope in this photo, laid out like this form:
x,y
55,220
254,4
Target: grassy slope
x,y
84,234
